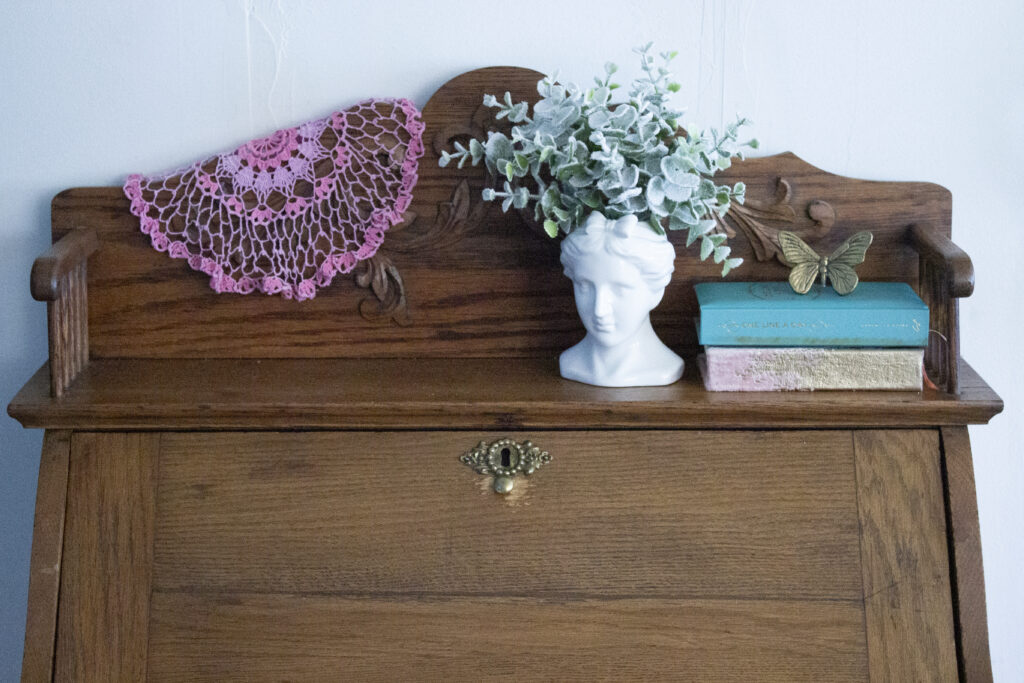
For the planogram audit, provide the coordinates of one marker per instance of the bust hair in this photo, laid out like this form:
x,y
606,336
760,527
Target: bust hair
x,y
652,254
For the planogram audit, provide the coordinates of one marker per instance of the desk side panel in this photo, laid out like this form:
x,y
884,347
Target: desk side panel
x,y
47,548
965,556
904,556
103,624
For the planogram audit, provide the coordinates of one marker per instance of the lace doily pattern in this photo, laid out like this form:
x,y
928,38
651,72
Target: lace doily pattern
x,y
284,214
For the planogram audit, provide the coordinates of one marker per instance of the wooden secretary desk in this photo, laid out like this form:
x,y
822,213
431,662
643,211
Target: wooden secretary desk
x,y
250,488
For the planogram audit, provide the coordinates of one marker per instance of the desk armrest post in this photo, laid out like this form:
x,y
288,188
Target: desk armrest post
x,y
59,279
954,263
945,274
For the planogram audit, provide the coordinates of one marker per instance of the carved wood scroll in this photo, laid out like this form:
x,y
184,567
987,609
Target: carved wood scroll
x,y
760,222
381,277
453,216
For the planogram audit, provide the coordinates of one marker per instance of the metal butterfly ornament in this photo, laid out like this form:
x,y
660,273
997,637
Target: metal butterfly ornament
x,y
837,268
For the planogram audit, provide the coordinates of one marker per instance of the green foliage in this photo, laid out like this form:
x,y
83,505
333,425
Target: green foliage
x,y
580,152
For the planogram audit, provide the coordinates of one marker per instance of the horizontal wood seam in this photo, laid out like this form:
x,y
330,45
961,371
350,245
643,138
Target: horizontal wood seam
x,y
542,596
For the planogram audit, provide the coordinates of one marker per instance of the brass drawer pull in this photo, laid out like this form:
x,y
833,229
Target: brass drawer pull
x,y
505,459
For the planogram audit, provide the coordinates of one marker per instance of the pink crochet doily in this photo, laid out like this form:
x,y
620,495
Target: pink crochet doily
x,y
285,213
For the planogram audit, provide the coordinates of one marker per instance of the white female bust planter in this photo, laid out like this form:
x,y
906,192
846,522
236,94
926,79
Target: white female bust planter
x,y
619,270
580,149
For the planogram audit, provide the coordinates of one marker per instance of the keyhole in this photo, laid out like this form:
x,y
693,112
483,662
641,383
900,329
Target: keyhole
x,y
506,457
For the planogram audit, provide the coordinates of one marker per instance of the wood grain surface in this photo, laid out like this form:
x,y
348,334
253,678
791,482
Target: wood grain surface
x,y
478,283
67,255
451,393
103,623
322,638
68,331
644,550
966,557
674,514
694,555
908,608
47,548
945,273
59,279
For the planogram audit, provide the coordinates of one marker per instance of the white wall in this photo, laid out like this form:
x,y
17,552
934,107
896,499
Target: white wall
x,y
909,90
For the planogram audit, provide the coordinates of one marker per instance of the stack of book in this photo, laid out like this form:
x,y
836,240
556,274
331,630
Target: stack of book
x,y
762,336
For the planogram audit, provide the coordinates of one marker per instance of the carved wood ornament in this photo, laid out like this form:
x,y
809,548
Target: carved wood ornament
x,y
454,218
761,222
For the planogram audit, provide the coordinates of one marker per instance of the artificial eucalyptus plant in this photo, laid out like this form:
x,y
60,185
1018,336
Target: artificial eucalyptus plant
x,y
582,152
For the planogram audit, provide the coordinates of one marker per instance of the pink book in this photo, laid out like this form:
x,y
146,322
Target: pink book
x,y
806,368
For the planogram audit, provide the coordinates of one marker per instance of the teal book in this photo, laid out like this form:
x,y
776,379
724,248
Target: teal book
x,y
879,314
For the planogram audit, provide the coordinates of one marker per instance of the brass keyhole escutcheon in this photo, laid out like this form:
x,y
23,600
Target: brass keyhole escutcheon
x,y
505,459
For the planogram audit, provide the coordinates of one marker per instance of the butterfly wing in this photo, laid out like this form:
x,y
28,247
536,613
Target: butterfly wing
x,y
795,250
842,277
840,264
852,251
803,276
805,262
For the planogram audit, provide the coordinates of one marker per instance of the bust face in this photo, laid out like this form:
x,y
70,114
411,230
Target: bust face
x,y
612,297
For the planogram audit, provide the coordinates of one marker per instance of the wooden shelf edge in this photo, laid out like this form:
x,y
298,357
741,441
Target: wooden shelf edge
x,y
449,394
